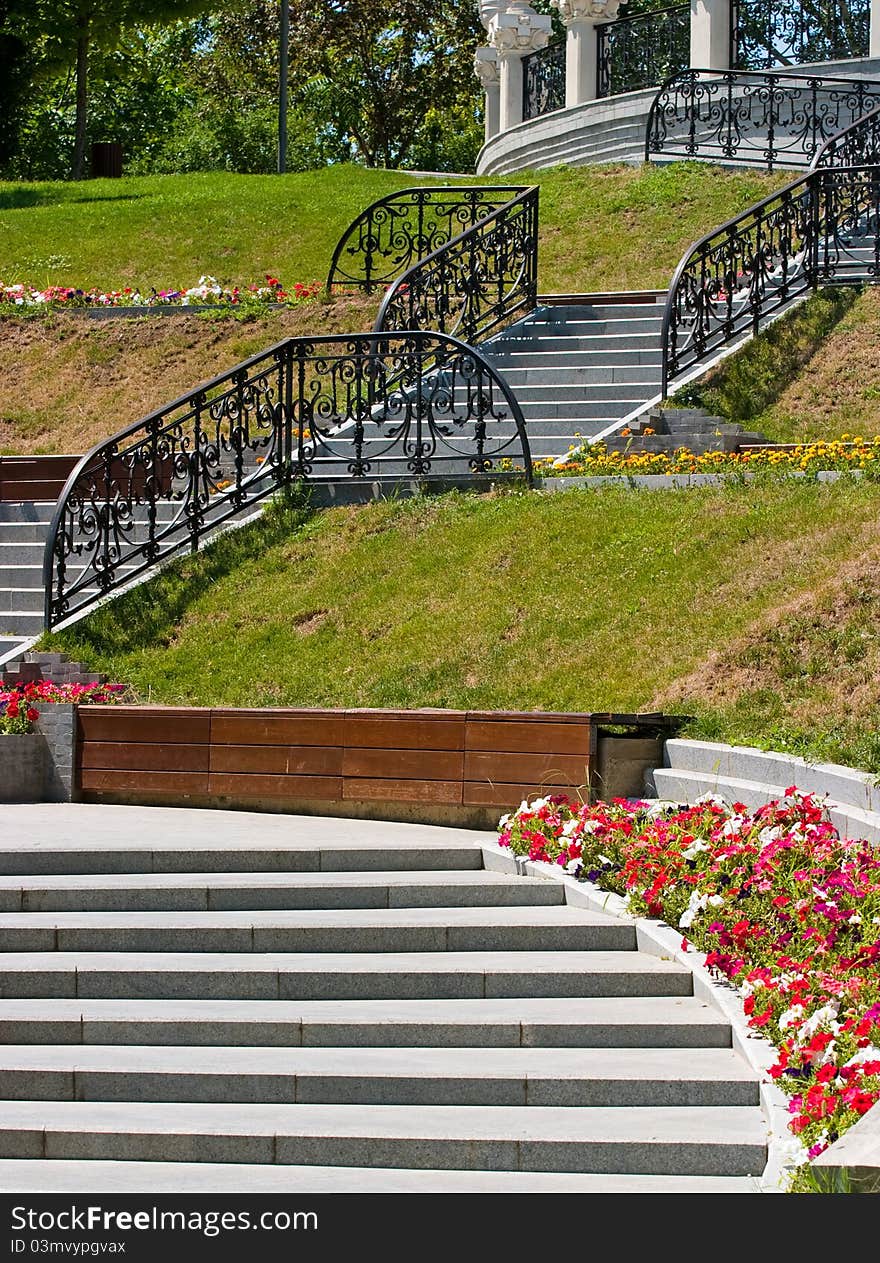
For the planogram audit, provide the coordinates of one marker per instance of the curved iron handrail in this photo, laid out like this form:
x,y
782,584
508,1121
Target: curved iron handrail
x,y
472,285
720,114
397,230
823,226
414,404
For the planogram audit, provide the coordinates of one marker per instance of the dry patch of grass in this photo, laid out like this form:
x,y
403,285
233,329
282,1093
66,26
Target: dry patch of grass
x,y
839,389
69,381
806,675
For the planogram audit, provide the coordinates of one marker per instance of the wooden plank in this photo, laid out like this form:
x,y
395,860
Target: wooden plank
x,y
280,760
146,757
422,765
528,737
418,730
175,724
401,791
278,728
122,781
508,797
31,489
558,769
232,785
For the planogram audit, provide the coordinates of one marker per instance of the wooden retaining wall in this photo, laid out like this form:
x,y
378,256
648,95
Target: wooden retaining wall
x,y
442,759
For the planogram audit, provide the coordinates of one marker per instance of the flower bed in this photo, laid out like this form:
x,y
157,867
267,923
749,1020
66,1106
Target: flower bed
x,y
807,458
207,293
782,907
18,706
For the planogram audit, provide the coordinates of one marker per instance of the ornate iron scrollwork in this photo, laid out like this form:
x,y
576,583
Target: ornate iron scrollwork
x,y
643,50
823,228
544,80
365,405
474,284
777,33
774,120
396,231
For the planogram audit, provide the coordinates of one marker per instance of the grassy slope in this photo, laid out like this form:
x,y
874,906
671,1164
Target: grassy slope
x,y
582,600
814,374
68,382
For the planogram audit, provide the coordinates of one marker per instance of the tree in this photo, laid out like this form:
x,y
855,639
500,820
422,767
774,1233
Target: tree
x,y
377,67
64,33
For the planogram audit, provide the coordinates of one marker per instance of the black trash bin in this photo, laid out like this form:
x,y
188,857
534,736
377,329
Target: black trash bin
x,y
106,160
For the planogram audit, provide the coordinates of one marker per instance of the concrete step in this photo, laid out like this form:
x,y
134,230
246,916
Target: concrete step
x,y
615,357
575,1077
212,892
206,1177
511,929
598,1022
664,1140
684,787
567,382
561,393
574,343
337,976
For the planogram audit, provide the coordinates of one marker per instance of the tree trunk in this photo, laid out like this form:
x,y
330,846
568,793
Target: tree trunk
x,y
82,79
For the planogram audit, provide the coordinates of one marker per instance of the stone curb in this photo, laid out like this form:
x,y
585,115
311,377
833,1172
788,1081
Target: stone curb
x,y
665,482
784,1152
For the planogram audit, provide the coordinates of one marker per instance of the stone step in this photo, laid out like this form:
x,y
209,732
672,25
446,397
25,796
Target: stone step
x,y
212,892
663,1140
598,1022
575,1077
74,1176
337,976
561,393
566,382
510,929
574,343
614,358
117,839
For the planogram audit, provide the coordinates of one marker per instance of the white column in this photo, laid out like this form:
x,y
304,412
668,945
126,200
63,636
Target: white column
x,y
581,17
488,72
710,34
874,37
512,34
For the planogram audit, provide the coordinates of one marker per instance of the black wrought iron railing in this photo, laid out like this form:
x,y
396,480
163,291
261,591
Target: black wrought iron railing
x,y
643,50
544,80
823,228
777,33
753,117
475,284
413,404
396,231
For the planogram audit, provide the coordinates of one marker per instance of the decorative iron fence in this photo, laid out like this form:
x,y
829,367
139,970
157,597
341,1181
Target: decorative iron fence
x,y
396,231
775,120
474,284
821,228
643,50
776,33
544,80
412,404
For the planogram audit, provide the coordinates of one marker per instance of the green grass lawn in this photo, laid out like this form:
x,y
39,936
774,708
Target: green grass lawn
x,y
68,382
601,227
606,600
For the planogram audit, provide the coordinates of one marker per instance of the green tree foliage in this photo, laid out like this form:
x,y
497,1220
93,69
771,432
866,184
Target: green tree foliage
x,y
64,35
382,82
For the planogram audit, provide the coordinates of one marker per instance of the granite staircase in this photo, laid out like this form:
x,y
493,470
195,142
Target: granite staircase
x,y
578,368
206,1000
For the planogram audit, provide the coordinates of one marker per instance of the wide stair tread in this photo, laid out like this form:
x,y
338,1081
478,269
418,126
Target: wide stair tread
x,y
330,1005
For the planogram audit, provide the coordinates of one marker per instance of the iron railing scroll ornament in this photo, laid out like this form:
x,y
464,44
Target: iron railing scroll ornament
x,y
754,117
475,284
396,231
768,34
821,229
643,50
404,405
544,80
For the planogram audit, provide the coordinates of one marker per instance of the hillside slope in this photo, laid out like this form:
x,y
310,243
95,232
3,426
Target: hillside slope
x,y
67,382
610,600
